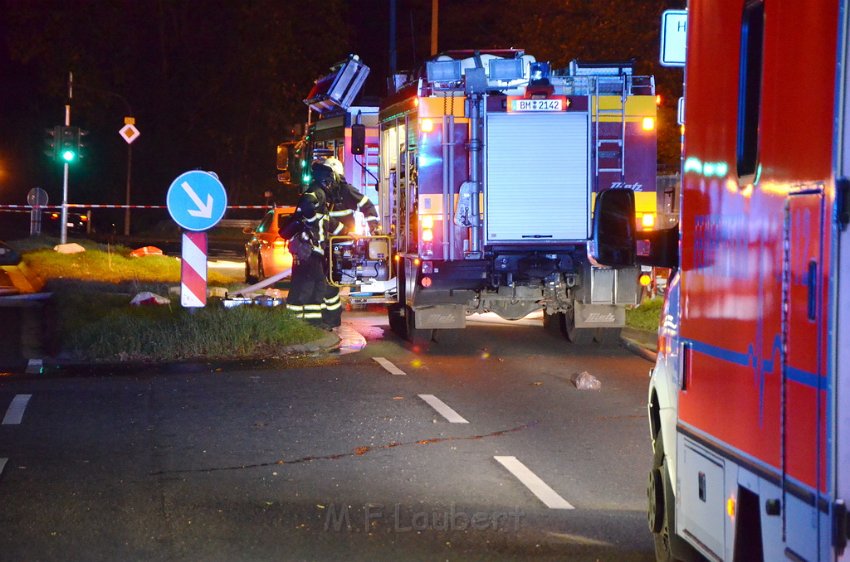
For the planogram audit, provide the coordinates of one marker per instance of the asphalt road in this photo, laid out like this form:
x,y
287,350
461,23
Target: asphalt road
x,y
361,456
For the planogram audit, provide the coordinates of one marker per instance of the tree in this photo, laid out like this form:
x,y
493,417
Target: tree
x,y
212,84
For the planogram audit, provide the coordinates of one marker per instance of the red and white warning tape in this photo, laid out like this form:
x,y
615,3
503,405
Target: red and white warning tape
x,y
89,206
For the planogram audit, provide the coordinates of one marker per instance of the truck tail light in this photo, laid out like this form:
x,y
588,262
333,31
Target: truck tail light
x,y
426,125
427,228
647,123
647,221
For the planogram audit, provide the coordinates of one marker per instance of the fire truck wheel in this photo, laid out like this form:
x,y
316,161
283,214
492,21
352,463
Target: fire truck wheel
x,y
416,336
553,323
395,315
608,337
579,336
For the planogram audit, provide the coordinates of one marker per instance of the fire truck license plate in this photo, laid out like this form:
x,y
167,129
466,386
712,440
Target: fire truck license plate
x,y
537,105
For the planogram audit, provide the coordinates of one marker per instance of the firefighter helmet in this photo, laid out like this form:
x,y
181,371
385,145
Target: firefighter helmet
x,y
333,163
322,174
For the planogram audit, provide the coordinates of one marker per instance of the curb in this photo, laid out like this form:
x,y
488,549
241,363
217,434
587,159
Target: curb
x,y
345,340
328,342
639,349
53,366
642,343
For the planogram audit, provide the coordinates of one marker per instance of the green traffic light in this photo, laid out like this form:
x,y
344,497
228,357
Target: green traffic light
x,y
68,155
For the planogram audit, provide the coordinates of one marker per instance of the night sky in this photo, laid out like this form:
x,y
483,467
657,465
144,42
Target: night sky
x,y
214,84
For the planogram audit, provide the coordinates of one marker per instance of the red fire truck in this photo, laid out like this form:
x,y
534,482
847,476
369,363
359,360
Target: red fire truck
x,y
328,132
749,400
359,265
490,162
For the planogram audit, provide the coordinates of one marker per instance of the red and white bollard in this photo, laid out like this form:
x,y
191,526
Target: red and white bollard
x,y
193,270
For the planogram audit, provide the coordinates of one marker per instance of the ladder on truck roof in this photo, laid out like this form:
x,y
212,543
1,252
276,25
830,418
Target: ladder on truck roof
x,y
610,148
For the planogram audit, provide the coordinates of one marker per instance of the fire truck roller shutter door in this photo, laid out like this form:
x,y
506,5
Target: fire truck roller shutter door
x,y
559,208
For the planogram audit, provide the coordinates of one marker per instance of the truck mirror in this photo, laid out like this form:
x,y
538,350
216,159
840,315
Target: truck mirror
x,y
659,248
614,228
358,139
282,157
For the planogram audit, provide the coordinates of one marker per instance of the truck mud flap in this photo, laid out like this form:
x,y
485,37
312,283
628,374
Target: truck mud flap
x,y
440,317
599,316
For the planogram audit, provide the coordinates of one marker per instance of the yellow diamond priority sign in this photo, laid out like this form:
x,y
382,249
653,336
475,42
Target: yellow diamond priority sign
x,y
129,132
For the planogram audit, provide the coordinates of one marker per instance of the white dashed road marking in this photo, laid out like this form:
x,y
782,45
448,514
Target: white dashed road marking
x,y
442,408
3,465
16,409
388,366
533,482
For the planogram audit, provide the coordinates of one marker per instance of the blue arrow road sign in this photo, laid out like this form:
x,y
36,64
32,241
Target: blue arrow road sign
x,y
196,200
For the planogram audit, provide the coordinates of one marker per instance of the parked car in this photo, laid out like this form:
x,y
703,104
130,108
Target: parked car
x,y
77,222
8,256
266,253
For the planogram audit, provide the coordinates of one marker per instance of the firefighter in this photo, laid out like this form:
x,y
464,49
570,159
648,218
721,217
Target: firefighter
x,y
346,200
310,294
343,199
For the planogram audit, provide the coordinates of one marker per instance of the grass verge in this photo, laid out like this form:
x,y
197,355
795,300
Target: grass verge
x,y
91,318
104,264
646,315
98,326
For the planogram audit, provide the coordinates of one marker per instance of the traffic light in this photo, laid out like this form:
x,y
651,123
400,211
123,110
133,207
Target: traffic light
x,y
69,146
51,142
82,147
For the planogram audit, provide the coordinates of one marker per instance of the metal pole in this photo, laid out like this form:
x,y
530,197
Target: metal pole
x,y
127,198
34,225
63,232
435,24
392,45
128,120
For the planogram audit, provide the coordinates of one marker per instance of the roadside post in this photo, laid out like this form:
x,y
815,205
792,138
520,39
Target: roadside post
x,y
196,201
36,198
129,133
